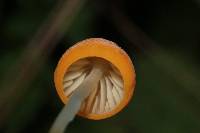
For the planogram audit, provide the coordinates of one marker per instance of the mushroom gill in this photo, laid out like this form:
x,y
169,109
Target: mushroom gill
x,y
106,95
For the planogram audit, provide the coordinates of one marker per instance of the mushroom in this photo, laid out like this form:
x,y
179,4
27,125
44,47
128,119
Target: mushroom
x,y
94,78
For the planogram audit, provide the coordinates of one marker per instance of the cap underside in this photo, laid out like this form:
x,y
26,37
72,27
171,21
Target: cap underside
x,y
107,94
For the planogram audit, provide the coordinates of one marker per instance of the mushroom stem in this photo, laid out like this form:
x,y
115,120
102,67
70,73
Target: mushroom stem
x,y
72,107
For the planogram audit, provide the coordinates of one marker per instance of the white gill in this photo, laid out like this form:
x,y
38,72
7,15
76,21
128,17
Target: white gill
x,y
107,94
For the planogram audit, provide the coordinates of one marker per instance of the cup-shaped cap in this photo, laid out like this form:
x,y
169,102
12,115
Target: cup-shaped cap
x,y
113,91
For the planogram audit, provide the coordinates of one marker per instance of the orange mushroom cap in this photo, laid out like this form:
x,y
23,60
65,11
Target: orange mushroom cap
x,y
104,49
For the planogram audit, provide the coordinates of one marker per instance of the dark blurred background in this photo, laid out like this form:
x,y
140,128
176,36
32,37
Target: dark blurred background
x,y
162,38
